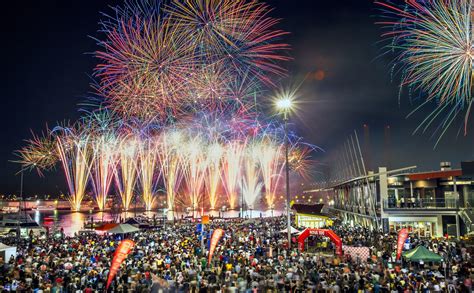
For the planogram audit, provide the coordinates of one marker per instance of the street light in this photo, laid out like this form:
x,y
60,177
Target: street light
x,y
284,105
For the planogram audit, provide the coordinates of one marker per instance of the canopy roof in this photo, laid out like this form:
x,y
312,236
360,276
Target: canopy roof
x,y
122,229
421,253
292,230
308,209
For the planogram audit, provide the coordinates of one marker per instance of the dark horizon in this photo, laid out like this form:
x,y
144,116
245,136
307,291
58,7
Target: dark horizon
x,y
48,67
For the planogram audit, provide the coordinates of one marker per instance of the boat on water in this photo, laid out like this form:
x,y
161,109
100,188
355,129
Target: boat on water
x,y
10,223
44,208
48,219
7,209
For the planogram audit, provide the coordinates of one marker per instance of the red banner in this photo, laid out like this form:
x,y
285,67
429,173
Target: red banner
x,y
120,254
402,237
216,235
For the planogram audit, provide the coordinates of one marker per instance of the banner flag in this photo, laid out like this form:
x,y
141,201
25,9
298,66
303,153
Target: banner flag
x,y
218,233
402,237
120,254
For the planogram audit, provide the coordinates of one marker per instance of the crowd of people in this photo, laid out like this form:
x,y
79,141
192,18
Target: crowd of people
x,y
253,256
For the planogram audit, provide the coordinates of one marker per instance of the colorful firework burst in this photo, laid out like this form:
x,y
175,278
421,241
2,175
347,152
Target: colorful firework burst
x,y
300,160
238,34
40,153
145,68
181,93
434,46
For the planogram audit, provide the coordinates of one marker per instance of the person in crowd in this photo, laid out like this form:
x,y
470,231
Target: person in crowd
x,y
253,256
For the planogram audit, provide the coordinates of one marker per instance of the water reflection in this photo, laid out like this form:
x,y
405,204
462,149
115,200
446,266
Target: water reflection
x,y
37,217
72,222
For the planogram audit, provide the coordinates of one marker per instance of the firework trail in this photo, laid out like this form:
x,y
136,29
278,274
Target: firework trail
x,y
148,171
231,166
213,175
271,164
250,186
126,171
75,155
194,169
434,46
170,165
103,166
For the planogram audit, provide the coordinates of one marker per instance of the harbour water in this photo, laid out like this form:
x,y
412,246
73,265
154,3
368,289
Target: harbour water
x,y
72,222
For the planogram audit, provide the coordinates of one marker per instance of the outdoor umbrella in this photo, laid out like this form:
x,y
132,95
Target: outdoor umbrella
x,y
421,253
123,229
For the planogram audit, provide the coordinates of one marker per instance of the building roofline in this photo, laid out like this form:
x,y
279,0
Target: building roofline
x,y
434,174
362,178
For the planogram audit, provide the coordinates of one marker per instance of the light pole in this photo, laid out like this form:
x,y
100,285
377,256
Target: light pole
x,y
284,105
18,231
223,209
165,212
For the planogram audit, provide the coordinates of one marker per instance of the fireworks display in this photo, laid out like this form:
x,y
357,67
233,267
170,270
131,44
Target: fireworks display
x,y
170,165
232,161
181,87
126,170
148,171
250,184
213,175
39,154
269,156
192,168
74,152
434,47
160,63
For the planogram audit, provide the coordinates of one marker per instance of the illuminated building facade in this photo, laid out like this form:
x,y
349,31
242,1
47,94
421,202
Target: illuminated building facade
x,y
430,204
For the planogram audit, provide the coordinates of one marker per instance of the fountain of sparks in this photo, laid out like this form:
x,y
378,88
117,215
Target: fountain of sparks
x,y
251,187
231,170
213,174
147,154
75,156
126,171
103,166
171,172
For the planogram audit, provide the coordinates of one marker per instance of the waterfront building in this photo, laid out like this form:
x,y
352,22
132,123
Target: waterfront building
x,y
430,204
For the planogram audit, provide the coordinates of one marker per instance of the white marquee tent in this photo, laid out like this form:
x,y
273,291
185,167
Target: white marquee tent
x,y
292,230
7,251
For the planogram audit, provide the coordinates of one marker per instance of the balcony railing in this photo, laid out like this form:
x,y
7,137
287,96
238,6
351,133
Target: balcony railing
x,y
352,208
423,204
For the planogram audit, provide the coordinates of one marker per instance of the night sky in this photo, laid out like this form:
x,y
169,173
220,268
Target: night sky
x,y
46,67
